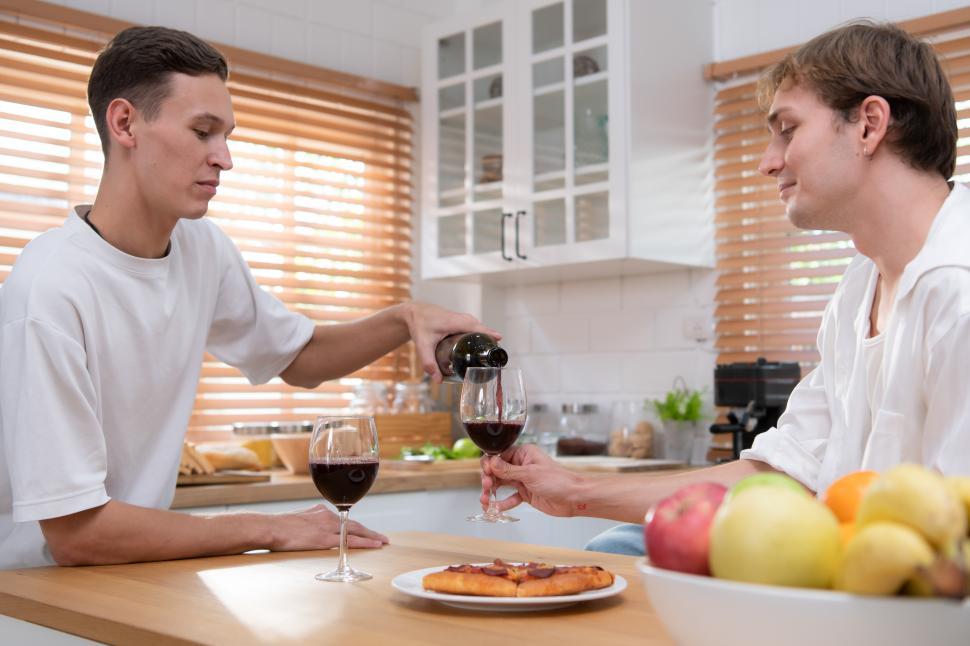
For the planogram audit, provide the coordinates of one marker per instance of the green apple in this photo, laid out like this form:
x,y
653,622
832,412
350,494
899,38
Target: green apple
x,y
775,536
465,448
768,479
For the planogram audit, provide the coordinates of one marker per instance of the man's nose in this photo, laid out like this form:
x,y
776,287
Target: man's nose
x,y
771,161
221,157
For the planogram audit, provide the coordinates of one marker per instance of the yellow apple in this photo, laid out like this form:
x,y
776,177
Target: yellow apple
x,y
776,536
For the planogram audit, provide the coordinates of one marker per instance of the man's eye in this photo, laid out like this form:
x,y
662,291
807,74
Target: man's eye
x,y
201,134
787,132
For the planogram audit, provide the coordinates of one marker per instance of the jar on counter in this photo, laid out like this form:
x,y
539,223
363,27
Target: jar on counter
x,y
581,431
370,398
412,397
537,425
632,430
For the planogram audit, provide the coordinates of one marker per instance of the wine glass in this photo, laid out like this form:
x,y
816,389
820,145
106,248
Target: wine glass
x,y
493,410
343,464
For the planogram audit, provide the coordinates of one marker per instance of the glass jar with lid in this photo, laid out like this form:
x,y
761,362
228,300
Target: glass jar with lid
x,y
412,397
581,431
632,430
370,398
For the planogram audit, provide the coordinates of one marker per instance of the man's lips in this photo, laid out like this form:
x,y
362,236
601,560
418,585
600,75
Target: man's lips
x,y
209,186
784,186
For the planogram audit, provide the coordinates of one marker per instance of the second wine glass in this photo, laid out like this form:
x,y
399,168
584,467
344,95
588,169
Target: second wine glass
x,y
493,411
343,463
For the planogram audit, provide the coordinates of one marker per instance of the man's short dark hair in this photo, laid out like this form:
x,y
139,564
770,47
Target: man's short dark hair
x,y
137,65
864,58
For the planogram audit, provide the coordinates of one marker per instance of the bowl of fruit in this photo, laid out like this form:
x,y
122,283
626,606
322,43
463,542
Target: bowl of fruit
x,y
881,559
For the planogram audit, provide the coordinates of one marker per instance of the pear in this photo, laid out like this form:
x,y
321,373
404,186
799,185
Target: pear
x,y
919,498
776,536
881,558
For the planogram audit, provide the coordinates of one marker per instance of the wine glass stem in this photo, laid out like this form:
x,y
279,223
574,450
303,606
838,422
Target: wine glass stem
x,y
492,502
342,563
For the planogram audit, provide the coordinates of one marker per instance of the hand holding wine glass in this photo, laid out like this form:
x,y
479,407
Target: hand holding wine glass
x,y
343,463
493,411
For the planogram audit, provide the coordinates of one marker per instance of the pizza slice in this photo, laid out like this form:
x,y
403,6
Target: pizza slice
x,y
502,579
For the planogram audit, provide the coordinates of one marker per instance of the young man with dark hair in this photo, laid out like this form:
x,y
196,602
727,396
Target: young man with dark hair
x,y
863,140
105,320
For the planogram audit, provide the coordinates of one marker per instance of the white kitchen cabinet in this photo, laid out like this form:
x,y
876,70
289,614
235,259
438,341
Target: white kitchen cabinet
x,y
567,138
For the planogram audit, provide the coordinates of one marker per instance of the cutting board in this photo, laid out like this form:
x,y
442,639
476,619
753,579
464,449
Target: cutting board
x,y
434,466
222,477
611,464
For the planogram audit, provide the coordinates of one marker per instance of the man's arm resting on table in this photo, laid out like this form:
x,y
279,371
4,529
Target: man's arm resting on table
x,y
117,532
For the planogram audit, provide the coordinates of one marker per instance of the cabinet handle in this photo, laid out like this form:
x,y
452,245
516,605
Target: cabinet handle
x,y
502,231
518,253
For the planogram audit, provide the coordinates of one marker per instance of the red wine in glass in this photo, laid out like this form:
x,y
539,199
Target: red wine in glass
x,y
344,481
493,411
494,437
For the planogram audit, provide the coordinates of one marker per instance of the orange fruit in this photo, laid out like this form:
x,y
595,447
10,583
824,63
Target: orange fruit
x,y
843,495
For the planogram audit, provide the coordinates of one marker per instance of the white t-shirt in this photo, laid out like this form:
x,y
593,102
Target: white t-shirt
x,y
918,409
101,354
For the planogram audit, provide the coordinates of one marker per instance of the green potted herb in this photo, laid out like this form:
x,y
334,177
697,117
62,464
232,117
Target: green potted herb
x,y
682,413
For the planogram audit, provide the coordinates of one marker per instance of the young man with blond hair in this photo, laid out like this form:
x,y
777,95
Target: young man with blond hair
x,y
863,138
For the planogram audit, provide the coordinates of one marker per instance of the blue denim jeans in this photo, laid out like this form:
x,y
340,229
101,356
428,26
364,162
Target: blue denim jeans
x,y
622,539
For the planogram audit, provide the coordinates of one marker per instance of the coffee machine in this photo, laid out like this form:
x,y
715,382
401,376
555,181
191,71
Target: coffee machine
x,y
757,393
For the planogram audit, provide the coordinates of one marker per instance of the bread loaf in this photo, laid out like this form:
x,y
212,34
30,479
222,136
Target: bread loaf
x,y
230,457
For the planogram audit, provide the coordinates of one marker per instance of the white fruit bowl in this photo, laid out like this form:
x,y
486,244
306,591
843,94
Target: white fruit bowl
x,y
702,611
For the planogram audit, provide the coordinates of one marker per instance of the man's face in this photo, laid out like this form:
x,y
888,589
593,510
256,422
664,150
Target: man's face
x,y
179,154
814,157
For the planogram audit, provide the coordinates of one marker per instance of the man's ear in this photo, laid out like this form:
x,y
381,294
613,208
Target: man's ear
x,y
120,117
874,117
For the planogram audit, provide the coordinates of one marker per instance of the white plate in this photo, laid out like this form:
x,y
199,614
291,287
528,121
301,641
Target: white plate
x,y
410,583
756,615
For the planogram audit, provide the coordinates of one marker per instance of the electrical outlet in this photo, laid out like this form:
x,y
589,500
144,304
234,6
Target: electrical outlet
x,y
697,329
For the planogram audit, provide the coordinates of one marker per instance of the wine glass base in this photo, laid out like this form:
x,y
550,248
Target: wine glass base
x,y
492,518
349,575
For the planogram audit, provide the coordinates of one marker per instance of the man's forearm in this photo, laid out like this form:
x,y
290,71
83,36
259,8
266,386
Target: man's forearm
x,y
120,533
338,350
627,498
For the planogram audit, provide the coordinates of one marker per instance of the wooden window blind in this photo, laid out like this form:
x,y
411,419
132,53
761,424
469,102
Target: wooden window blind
x,y
774,280
319,200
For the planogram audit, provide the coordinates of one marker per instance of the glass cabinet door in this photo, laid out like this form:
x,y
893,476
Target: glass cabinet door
x,y
471,140
570,153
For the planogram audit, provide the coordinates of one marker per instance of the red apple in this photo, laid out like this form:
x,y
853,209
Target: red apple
x,y
678,527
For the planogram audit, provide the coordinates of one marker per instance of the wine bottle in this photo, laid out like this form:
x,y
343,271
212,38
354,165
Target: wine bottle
x,y
458,352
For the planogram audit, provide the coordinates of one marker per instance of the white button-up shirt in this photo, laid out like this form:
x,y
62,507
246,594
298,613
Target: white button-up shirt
x,y
922,414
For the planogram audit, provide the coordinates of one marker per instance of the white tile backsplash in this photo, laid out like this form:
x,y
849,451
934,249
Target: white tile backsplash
x,y
559,334
590,296
625,342
622,332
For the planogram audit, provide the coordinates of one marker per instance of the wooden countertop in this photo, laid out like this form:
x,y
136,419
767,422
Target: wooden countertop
x,y
392,477
273,598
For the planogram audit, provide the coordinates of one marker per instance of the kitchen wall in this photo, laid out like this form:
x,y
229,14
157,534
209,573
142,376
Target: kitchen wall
x,y
744,27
